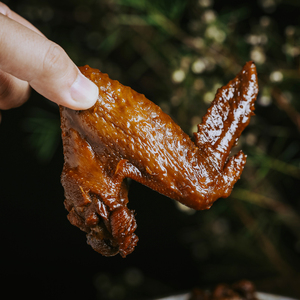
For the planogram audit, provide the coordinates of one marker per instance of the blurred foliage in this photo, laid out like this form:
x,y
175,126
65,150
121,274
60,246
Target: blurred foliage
x,y
44,133
178,54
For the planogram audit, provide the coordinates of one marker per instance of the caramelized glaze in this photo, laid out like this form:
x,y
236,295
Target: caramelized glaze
x,y
124,135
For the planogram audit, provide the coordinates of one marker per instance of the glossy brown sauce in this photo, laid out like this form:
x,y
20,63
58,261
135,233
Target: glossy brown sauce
x,y
124,135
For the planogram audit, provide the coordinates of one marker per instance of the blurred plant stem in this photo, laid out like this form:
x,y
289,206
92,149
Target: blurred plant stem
x,y
289,274
284,104
285,212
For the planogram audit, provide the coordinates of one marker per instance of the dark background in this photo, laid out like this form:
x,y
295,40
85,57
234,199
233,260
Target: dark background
x,y
253,234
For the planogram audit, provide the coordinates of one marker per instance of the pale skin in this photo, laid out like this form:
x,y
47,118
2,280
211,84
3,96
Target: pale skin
x,y
29,60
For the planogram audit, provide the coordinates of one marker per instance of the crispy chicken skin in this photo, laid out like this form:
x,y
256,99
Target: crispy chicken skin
x,y
124,135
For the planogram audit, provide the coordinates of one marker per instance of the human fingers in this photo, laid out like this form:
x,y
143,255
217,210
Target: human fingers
x,y
6,11
45,65
13,91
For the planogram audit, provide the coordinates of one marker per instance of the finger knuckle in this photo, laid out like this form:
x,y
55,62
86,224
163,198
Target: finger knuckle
x,y
53,60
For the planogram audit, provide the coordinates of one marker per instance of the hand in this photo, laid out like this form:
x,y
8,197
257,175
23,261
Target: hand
x,y
29,59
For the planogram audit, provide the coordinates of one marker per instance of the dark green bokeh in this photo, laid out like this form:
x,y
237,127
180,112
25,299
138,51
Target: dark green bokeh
x,y
177,53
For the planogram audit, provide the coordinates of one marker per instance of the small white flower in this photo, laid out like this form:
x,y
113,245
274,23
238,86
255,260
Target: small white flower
x,y
198,66
213,32
216,87
265,21
265,100
198,43
251,139
205,3
198,84
257,54
268,5
209,16
252,39
276,76
290,30
178,76
291,50
208,97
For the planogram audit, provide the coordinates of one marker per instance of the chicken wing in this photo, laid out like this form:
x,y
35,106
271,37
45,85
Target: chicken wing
x,y
125,135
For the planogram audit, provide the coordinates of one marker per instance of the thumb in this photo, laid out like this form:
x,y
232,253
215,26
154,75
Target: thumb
x,y
59,80
44,65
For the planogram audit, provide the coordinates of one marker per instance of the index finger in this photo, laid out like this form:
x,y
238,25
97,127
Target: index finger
x,y
45,65
6,11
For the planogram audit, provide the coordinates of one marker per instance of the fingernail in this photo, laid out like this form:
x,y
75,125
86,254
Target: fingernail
x,y
84,92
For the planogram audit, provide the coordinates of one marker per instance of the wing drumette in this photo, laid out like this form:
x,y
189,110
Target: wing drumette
x,y
124,135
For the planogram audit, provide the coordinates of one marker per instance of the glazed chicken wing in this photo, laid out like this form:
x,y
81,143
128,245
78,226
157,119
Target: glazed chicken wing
x,y
124,135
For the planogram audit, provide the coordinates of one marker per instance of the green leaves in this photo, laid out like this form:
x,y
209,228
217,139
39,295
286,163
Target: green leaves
x,y
43,130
